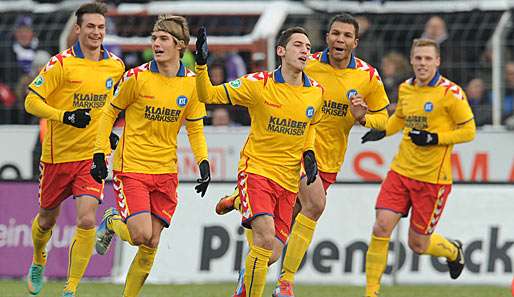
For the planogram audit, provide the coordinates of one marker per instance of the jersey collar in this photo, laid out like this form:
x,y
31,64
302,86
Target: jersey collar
x,y
279,78
77,51
433,81
324,59
180,73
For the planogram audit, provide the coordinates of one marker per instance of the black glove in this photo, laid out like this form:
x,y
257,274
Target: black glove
x,y
114,139
310,165
79,118
423,138
373,135
202,51
205,177
99,168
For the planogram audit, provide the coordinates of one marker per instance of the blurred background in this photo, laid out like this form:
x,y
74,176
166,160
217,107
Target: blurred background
x,y
477,52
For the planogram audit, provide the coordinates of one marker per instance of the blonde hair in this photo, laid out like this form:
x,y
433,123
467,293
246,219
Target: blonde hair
x,y
425,42
176,26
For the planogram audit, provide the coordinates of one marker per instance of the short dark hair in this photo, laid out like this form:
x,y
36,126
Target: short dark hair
x,y
285,35
92,7
347,19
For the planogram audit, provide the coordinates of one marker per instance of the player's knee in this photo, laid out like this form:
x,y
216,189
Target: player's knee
x,y
86,221
46,223
382,228
417,246
153,242
140,237
264,240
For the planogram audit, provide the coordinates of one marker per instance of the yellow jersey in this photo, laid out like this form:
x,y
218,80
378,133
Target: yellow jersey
x,y
339,84
439,107
155,107
69,81
281,119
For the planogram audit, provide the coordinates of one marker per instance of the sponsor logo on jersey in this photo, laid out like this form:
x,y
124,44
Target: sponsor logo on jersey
x,y
109,83
351,93
235,84
81,100
181,101
162,114
286,126
309,112
39,81
429,106
416,122
334,108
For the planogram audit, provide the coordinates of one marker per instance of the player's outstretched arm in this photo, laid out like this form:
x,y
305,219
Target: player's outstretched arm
x,y
207,93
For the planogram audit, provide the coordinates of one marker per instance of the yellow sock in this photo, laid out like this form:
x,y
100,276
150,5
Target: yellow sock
x,y
80,252
441,247
256,270
139,270
117,225
376,262
297,245
40,238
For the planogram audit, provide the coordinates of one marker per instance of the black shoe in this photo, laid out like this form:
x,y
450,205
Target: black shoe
x,y
456,266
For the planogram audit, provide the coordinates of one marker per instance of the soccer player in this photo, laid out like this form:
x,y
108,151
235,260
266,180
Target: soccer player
x,y
69,92
353,93
158,97
283,105
434,114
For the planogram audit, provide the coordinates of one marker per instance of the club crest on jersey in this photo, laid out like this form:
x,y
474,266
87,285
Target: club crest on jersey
x,y
429,106
181,101
39,81
235,84
309,112
109,83
351,93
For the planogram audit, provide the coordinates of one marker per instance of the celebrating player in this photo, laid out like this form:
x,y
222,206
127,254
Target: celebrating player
x,y
353,93
434,115
157,98
283,105
69,92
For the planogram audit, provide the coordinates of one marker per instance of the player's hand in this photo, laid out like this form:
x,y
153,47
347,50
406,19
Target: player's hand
x,y
205,177
99,167
310,165
373,135
113,140
423,138
202,51
79,118
358,107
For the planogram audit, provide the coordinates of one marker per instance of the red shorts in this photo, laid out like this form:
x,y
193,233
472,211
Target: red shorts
x,y
399,193
139,193
262,196
59,181
327,178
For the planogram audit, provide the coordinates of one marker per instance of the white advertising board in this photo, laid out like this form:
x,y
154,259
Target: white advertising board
x,y
490,157
201,246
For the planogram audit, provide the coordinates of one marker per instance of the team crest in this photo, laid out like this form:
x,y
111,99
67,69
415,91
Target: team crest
x,y
181,101
351,93
39,81
109,83
429,106
235,84
309,112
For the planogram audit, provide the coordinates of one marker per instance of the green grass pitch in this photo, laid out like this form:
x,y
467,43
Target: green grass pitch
x,y
16,288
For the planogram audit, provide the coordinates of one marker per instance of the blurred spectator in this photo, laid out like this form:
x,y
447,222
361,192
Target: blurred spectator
x,y
479,101
7,101
454,54
508,100
394,69
371,46
217,73
258,62
235,66
17,56
221,117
